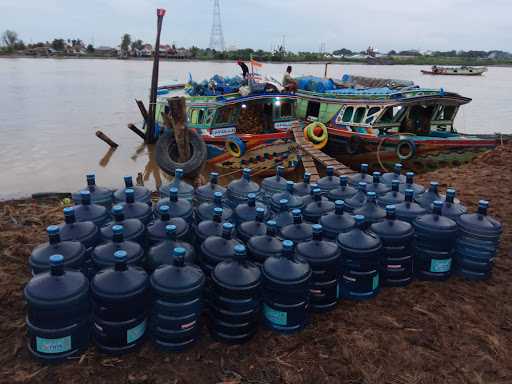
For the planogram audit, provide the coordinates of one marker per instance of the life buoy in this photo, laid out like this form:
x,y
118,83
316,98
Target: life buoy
x,y
235,146
405,149
316,132
353,144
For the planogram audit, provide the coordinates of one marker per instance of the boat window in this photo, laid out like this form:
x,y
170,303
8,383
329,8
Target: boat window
x,y
196,116
225,115
372,114
286,109
387,116
446,112
313,109
358,116
347,115
398,112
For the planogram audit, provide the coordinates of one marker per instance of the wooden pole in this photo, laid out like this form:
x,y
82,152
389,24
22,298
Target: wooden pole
x,y
107,139
178,114
150,131
137,131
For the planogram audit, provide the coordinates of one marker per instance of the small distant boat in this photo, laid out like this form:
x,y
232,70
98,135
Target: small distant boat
x,y
455,71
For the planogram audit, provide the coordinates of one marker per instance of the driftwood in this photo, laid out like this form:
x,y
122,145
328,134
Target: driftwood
x,y
107,139
137,131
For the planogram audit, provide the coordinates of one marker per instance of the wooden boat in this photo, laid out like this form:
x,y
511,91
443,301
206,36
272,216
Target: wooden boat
x,y
389,124
455,71
242,131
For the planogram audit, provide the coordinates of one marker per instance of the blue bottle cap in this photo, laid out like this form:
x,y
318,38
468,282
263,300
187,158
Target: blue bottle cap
x,y
398,168
251,196
247,173
227,226
296,212
129,192
362,185
69,211
239,250
289,186
390,208
52,230
271,223
179,251
307,177
85,196
371,195
127,179
178,255
343,180
279,170
330,170
120,256
117,209
170,228
317,228
178,173
117,229
173,193
360,219
339,204
434,185
438,206
364,168
395,184
317,191
218,195
218,211
56,260
163,209
91,177
409,193
483,204
214,177
260,210
287,245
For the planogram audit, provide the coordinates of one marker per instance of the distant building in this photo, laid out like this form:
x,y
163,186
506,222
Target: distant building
x,y
106,51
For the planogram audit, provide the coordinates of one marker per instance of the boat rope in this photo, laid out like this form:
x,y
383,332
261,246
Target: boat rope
x,y
378,154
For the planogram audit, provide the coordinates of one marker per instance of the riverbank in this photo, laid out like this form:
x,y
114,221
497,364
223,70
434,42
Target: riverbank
x,y
452,332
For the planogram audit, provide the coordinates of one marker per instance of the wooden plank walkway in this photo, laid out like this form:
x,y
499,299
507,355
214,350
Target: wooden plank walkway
x,y
309,154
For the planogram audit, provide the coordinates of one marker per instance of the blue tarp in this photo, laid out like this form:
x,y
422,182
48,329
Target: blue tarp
x,y
315,84
221,86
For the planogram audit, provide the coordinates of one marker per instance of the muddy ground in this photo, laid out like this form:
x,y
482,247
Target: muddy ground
x,y
451,332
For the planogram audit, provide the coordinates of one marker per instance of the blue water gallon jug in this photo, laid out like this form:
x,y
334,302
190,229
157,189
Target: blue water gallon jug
x,y
247,211
133,229
157,229
397,249
358,200
120,296
286,291
294,201
329,181
135,209
361,176
208,228
337,222
178,207
318,207
73,253
409,210
410,184
377,186
162,252
239,189
343,191
85,232
264,246
431,194
477,243
177,301
99,195
218,248
205,210
393,197
388,177
361,254
58,312
206,192
255,227
371,211
324,259
183,189
435,237
311,197
297,231
274,184
284,216
304,187
86,211
236,299
140,193
103,255
451,208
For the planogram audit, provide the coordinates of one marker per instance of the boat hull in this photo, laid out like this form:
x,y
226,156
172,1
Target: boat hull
x,y
440,73
381,153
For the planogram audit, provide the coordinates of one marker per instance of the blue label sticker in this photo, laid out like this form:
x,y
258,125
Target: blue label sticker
x,y
375,282
135,333
53,345
275,317
439,266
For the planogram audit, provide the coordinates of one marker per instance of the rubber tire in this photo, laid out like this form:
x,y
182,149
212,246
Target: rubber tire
x,y
190,167
412,149
240,145
353,144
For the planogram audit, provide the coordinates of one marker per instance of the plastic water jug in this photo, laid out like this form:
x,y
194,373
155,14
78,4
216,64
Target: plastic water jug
x,y
451,208
176,291
318,207
343,192
294,201
410,184
133,229
206,192
409,210
218,248
274,184
183,189
255,227
337,222
157,230
297,231
329,181
388,177
205,210
135,209
178,207
264,246
324,259
99,195
239,189
140,193
286,291
247,211
358,200
85,232
284,216
371,211
86,211
58,312
162,252
303,188
376,185
431,194
393,197
208,228
361,176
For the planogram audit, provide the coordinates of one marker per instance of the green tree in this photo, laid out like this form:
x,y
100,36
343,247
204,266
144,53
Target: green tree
x,y
125,42
90,48
58,44
9,38
137,44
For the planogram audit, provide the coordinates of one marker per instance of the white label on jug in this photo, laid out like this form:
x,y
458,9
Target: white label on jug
x,y
135,333
440,266
276,317
53,345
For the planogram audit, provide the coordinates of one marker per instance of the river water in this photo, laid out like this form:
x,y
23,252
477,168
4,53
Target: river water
x,y
51,108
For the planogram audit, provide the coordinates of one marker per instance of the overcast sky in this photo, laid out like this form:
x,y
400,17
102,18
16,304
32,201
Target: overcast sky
x,y
389,24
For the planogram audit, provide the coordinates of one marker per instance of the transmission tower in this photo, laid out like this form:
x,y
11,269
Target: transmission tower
x,y
216,36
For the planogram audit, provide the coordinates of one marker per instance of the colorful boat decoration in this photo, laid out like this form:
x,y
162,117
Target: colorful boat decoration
x,y
250,130
393,122
455,71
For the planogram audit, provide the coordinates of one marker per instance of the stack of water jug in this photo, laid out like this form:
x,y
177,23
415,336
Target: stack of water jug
x,y
119,269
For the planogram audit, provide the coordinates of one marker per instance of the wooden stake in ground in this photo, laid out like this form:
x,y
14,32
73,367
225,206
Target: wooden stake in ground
x,y
178,117
107,139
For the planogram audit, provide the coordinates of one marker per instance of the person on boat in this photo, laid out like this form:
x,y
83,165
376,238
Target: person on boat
x,y
289,83
245,69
